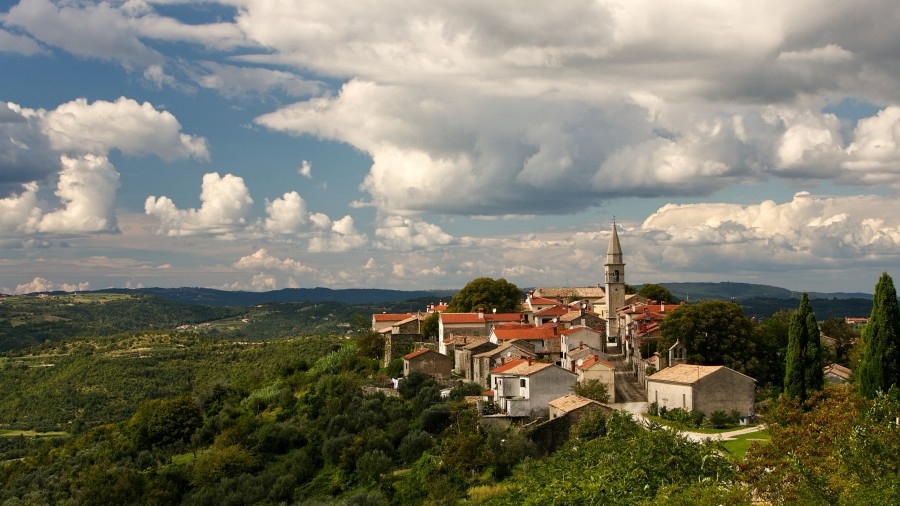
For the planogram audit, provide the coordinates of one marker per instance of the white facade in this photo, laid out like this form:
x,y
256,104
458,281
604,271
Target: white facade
x,y
527,389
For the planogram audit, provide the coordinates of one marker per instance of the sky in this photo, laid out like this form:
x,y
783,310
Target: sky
x,y
266,144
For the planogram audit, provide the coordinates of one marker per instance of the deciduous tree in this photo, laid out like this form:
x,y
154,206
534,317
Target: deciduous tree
x,y
592,389
656,292
771,336
715,332
431,326
487,293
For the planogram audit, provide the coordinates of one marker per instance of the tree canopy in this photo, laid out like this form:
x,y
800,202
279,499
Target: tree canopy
x,y
879,367
715,332
771,336
656,292
803,362
592,389
487,293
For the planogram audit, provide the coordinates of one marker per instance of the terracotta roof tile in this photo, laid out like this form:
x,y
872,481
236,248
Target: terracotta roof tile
x,y
553,311
450,318
688,374
571,402
390,317
542,301
417,353
527,370
504,334
506,366
594,359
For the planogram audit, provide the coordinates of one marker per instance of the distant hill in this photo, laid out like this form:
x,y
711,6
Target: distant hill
x,y
762,301
212,297
727,290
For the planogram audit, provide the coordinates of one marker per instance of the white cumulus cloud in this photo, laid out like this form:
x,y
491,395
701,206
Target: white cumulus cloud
x,y
224,209
343,236
131,127
39,284
262,260
402,234
87,190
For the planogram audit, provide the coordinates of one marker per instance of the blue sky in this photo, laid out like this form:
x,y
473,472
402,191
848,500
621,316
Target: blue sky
x,y
268,144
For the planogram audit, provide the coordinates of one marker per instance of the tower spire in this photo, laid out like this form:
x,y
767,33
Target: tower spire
x,y
614,268
614,251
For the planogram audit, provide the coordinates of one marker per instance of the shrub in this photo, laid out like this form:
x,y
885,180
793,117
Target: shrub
x,y
718,419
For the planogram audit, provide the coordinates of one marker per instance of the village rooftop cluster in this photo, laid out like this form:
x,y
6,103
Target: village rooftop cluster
x,y
528,362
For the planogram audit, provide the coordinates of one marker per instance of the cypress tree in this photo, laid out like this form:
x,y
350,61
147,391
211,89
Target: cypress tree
x,y
798,335
814,373
879,367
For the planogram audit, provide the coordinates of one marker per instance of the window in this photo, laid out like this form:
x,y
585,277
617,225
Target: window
x,y
522,382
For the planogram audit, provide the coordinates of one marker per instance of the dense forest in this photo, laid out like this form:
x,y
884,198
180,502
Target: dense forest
x,y
237,413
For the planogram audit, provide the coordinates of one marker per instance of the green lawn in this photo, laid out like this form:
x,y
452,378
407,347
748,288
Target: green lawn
x,y
738,447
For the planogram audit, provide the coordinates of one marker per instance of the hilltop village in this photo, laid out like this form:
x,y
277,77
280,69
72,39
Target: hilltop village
x,y
529,362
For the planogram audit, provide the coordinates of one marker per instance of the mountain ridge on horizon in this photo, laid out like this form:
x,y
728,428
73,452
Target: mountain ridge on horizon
x,y
686,291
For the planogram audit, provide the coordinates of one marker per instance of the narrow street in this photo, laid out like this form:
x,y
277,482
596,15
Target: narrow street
x,y
627,388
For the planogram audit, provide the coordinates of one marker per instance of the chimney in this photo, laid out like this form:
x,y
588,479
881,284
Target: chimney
x,y
480,313
529,362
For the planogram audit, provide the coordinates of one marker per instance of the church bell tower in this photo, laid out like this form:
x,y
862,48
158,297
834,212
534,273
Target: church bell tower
x,y
615,287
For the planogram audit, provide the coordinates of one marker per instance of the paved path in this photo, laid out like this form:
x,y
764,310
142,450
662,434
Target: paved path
x,y
633,399
638,409
723,436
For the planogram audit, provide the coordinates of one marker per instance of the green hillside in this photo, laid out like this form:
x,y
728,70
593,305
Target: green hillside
x,y
30,320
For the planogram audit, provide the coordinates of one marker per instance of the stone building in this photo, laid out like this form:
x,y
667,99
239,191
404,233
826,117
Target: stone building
x,y
430,362
706,388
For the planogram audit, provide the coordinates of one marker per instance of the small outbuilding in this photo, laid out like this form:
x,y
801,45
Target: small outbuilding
x,y
706,388
428,361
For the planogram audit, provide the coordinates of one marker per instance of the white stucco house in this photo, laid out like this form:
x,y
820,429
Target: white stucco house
x,y
524,388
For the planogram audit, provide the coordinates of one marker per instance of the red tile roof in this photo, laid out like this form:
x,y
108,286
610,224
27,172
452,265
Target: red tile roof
x,y
508,365
594,359
543,301
553,311
527,369
474,318
504,334
417,353
390,317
